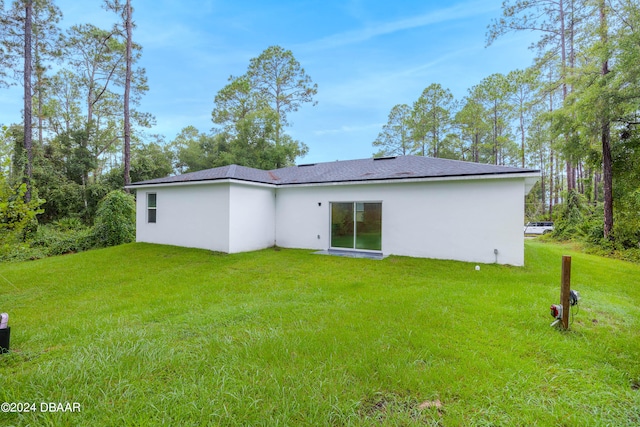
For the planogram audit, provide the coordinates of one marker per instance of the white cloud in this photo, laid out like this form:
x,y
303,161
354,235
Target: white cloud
x,y
347,129
380,90
459,11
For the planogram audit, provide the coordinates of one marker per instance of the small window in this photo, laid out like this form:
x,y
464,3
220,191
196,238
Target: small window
x,y
151,207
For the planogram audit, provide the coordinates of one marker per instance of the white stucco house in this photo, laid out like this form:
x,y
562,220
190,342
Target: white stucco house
x,y
405,205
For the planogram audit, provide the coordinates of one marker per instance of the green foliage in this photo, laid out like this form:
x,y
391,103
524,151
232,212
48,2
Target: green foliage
x,y
75,157
279,82
64,199
233,102
69,235
196,151
16,215
479,131
592,228
626,188
627,220
258,144
66,236
252,111
94,195
289,338
148,161
431,119
533,209
569,217
68,224
255,144
115,220
470,120
395,139
19,252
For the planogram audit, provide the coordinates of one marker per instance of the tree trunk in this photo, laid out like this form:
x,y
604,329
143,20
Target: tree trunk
x,y
563,53
522,134
28,143
581,177
476,143
495,133
558,183
607,173
550,159
542,183
571,178
127,89
434,131
39,82
607,176
571,175
551,187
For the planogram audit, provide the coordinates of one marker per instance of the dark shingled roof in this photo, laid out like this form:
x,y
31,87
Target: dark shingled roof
x,y
387,168
241,173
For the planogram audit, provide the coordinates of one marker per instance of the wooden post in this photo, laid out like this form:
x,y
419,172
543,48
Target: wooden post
x,y
565,290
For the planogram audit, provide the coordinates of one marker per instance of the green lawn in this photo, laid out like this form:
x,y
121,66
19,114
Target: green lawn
x,y
155,335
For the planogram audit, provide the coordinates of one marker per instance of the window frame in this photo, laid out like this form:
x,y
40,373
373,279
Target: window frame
x,y
152,219
358,217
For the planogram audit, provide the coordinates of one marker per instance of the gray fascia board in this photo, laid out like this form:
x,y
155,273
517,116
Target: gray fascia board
x,y
400,180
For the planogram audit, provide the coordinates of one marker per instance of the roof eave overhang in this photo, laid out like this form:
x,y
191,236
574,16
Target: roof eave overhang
x,y
199,182
533,175
529,182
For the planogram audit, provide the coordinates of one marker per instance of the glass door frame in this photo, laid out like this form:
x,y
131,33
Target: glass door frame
x,y
355,227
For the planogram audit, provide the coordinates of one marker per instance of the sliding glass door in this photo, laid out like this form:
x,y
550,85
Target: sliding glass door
x,y
369,226
342,225
356,225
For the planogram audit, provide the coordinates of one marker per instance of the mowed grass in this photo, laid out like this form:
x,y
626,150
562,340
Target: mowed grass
x,y
156,335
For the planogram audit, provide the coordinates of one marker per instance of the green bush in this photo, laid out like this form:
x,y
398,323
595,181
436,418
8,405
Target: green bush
x,y
64,199
70,242
592,229
16,252
626,225
632,255
95,194
582,223
569,218
66,236
69,223
60,239
17,217
115,220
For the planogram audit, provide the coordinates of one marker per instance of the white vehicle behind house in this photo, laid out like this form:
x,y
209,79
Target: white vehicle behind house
x,y
538,227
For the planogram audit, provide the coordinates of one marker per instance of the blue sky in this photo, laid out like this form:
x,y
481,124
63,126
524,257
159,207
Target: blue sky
x,y
365,56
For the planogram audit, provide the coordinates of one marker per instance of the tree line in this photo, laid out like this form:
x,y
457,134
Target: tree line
x,y
573,114
81,89
82,133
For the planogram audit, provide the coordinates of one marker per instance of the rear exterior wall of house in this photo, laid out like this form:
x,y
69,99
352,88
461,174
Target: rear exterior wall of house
x,y
464,220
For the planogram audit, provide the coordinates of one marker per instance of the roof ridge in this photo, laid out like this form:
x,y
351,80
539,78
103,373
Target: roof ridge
x,y
231,173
